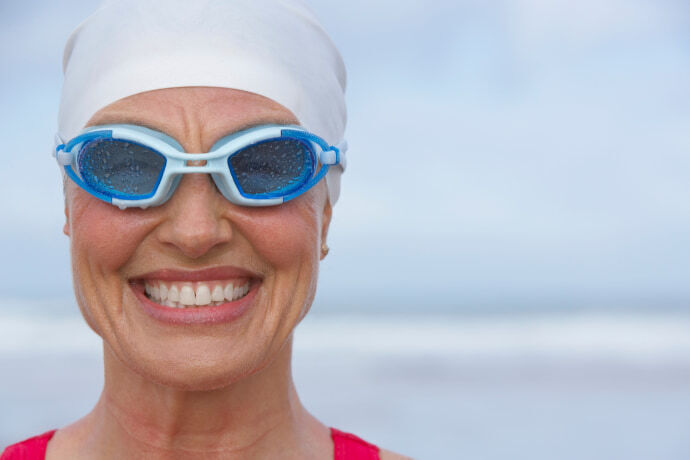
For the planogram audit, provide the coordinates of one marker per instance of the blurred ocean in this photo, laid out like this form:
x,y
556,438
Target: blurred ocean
x,y
448,386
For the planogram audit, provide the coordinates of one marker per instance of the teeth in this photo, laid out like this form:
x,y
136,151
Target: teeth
x,y
203,295
227,292
174,294
218,295
186,295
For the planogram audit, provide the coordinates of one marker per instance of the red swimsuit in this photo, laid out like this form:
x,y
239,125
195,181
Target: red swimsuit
x,y
346,447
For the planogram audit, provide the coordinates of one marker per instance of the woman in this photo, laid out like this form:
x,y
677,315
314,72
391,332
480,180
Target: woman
x,y
195,268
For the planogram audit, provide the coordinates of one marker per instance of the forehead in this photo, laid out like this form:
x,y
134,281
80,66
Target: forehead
x,y
194,114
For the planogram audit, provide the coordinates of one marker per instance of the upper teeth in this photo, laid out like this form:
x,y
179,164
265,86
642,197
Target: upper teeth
x,y
180,294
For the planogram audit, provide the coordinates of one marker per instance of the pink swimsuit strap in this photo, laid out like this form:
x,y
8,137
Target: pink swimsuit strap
x,y
31,449
349,447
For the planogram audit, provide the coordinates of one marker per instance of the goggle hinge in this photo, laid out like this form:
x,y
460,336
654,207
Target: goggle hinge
x,y
63,158
330,156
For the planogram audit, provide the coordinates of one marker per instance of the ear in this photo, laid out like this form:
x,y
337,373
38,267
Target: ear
x,y
326,220
65,228
65,198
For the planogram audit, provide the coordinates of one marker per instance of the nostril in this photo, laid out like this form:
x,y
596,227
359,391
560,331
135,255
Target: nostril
x,y
194,238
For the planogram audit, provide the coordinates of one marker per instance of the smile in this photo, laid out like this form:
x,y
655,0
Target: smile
x,y
207,296
183,294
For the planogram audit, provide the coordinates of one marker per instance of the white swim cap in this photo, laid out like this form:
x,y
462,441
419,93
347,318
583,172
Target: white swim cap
x,y
275,48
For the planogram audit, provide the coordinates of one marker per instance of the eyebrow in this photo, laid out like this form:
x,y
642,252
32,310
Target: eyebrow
x,y
116,119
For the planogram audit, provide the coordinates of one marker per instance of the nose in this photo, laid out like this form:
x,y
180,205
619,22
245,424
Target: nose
x,y
195,222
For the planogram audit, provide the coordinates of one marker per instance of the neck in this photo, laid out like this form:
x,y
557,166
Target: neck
x,y
258,417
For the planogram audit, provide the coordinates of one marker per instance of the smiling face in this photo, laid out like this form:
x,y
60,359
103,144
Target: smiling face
x,y
253,270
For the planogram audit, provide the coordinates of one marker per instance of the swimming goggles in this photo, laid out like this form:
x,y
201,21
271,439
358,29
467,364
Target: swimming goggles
x,y
133,166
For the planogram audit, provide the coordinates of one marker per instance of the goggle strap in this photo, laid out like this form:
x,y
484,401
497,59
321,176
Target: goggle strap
x,y
342,146
58,145
334,155
340,149
63,158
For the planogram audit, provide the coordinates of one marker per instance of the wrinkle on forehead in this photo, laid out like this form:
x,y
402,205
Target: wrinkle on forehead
x,y
195,116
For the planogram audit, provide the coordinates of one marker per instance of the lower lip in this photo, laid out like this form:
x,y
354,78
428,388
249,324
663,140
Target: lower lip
x,y
223,313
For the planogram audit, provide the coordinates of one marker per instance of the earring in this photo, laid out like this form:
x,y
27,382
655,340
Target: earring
x,y
324,250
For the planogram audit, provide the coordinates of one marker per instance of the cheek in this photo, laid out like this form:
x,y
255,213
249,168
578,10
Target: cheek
x,y
103,234
286,235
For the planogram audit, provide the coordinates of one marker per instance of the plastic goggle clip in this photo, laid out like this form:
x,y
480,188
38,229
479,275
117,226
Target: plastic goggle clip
x,y
332,155
62,157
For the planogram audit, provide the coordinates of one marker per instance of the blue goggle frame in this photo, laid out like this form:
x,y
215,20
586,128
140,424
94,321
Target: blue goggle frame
x,y
177,162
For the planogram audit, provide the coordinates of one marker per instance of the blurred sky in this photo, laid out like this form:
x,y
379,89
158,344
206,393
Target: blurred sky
x,y
502,153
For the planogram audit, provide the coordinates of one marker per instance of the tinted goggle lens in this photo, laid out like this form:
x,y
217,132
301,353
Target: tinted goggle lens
x,y
125,169
121,168
271,168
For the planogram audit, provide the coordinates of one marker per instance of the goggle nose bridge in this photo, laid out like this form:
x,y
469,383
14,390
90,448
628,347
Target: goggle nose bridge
x,y
211,167
188,163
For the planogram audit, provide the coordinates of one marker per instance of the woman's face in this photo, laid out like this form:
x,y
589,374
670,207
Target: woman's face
x,y
196,240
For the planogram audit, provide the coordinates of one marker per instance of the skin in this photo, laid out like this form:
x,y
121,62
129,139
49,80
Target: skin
x,y
196,391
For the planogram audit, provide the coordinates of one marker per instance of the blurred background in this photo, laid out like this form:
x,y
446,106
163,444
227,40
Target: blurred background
x,y
509,257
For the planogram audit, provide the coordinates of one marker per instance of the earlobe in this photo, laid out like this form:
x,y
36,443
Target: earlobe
x,y
325,223
65,228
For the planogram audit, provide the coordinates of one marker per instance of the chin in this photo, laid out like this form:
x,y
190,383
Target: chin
x,y
195,381
195,371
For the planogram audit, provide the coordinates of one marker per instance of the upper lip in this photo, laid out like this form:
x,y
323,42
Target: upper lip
x,y
206,274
